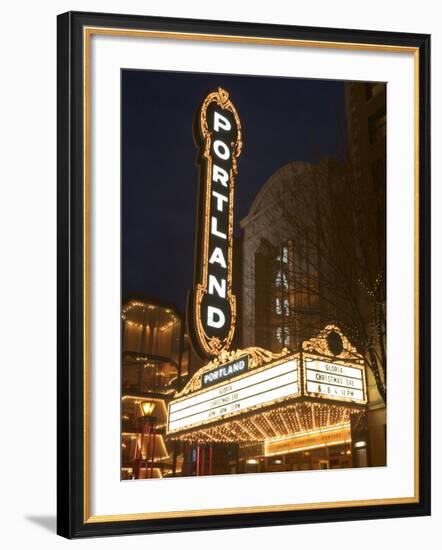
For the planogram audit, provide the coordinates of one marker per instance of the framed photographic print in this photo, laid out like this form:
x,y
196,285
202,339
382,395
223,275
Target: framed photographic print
x,y
243,248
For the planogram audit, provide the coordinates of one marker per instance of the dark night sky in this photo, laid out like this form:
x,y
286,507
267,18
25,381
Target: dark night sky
x,y
283,120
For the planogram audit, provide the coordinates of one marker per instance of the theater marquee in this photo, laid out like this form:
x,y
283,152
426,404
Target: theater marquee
x,y
244,384
254,390
212,304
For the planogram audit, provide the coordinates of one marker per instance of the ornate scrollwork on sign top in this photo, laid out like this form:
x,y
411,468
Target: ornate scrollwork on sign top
x,y
221,97
331,342
257,358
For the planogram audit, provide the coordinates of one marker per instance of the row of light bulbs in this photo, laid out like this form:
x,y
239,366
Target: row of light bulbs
x,y
303,418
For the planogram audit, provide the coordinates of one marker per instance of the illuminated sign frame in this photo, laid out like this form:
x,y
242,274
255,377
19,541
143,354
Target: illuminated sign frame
x,y
314,439
212,304
256,389
333,385
318,349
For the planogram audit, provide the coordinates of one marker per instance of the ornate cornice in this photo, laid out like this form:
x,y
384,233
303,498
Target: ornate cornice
x,y
320,344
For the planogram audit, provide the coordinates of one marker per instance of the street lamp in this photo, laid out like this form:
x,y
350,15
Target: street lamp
x,y
146,427
147,407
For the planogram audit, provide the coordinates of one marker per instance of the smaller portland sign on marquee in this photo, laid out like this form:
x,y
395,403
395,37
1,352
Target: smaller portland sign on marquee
x,y
212,304
226,371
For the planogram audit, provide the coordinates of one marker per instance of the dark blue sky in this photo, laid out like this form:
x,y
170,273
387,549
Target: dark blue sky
x,y
283,120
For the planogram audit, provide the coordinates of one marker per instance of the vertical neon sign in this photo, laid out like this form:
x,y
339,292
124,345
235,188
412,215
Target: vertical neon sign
x,y
212,304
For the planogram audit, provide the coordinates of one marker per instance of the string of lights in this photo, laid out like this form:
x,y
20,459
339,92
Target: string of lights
x,y
287,421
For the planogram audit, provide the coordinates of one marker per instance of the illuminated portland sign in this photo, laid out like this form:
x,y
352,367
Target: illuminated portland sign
x,y
229,370
212,304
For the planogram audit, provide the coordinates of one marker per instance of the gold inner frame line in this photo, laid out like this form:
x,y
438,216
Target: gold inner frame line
x,y
87,34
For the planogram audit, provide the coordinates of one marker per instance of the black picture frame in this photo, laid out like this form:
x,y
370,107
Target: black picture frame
x,y
72,515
